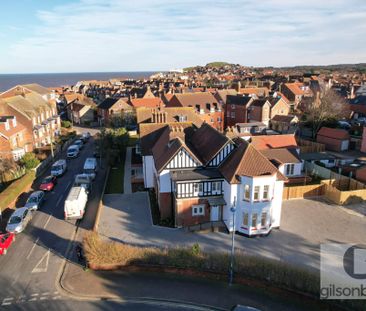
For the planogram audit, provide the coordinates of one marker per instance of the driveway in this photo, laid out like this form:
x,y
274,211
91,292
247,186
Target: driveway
x,y
305,224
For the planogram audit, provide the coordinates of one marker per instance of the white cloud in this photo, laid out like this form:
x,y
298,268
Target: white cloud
x,y
112,35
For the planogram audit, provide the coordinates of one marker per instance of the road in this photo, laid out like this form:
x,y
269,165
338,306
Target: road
x,y
30,269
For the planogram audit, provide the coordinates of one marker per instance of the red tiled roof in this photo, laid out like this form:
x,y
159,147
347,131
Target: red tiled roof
x,y
333,133
146,102
274,141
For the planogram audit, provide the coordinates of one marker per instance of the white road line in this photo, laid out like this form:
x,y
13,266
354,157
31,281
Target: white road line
x,y
33,299
56,297
37,269
44,298
34,245
48,220
45,293
36,294
58,200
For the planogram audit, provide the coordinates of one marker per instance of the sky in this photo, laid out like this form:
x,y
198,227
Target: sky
x,y
40,36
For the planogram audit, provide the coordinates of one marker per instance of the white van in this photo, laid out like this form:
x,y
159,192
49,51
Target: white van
x,y
73,151
58,168
75,203
90,167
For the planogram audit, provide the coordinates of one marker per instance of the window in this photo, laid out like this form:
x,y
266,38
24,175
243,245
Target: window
x,y
247,192
212,120
197,188
290,169
256,193
254,220
233,114
198,210
7,127
14,121
232,106
245,219
264,219
266,192
216,186
219,119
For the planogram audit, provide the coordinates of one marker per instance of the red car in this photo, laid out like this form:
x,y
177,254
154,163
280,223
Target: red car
x,y
48,183
5,241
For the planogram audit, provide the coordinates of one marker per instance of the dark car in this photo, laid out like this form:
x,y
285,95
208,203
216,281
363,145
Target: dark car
x,y
48,183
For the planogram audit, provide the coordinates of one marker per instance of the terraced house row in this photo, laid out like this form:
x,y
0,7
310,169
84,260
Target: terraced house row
x,y
198,174
28,120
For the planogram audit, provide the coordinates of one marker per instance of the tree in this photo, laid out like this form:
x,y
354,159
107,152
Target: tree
x,y
29,160
6,165
326,106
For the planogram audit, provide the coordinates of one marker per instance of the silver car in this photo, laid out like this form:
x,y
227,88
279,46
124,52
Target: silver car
x,y
35,200
19,220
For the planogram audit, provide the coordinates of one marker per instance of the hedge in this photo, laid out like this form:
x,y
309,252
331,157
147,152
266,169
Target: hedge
x,y
17,187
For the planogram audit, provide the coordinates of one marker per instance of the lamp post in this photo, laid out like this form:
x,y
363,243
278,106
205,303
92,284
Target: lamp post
x,y
231,271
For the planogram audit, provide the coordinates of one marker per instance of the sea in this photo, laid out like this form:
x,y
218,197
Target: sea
x,y
7,81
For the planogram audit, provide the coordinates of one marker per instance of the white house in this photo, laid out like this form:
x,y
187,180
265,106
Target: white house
x,y
198,174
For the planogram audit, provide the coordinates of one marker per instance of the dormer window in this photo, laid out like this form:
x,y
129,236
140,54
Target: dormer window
x,y
7,126
14,122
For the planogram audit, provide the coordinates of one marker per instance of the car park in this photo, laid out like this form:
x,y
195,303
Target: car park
x,y
48,183
6,240
59,168
35,200
73,151
19,220
79,143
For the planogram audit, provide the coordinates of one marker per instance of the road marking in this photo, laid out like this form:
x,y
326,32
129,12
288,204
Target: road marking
x,y
22,298
58,200
48,220
34,245
36,294
45,293
37,269
56,297
44,298
7,301
33,299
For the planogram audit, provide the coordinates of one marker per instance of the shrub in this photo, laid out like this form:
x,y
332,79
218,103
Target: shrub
x,y
15,189
29,160
66,124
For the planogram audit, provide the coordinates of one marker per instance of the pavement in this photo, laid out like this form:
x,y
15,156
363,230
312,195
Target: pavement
x,y
305,225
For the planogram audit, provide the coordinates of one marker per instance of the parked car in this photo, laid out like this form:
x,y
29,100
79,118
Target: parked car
x,y
48,183
19,220
5,241
344,125
83,180
79,143
59,168
75,203
85,137
90,167
73,151
35,200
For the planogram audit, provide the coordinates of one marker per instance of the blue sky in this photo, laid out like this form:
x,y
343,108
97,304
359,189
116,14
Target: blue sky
x,y
125,35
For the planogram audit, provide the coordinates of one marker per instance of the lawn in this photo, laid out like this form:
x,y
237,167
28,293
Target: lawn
x,y
115,178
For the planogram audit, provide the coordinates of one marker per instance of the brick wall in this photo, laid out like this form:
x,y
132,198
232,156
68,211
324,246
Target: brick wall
x,y
165,205
184,212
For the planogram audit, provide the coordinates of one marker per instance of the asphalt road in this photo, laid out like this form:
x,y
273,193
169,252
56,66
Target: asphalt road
x,y
29,271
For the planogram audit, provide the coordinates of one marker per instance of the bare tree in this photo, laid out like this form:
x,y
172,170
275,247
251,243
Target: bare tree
x,y
326,106
6,166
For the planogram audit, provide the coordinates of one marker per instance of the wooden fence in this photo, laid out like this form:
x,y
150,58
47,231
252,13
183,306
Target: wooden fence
x,y
300,192
307,146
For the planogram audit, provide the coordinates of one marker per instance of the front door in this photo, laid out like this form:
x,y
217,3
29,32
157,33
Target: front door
x,y
215,213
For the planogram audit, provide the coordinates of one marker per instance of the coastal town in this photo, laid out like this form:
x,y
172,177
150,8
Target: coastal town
x,y
103,174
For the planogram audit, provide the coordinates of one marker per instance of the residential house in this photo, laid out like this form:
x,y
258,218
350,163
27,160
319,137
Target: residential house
x,y
198,174
295,92
168,115
251,128
81,110
325,158
221,95
146,102
111,108
15,140
254,91
333,139
259,110
284,123
44,92
206,105
236,109
358,106
38,116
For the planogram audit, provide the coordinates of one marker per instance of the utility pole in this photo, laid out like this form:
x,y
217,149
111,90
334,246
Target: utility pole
x,y
231,271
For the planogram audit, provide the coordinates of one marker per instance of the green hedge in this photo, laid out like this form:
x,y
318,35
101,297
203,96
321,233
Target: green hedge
x,y
15,189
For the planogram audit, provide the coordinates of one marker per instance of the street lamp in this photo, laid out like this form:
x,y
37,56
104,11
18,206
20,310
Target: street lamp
x,y
231,271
